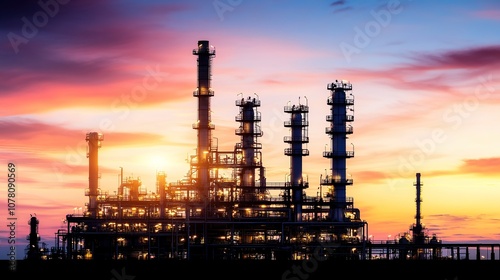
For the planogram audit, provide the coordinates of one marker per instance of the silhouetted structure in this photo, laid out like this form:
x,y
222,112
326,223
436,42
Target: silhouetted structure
x,y
34,238
224,208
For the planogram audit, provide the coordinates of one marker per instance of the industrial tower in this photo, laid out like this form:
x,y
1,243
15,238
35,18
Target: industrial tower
x,y
224,208
298,124
204,124
249,148
417,229
34,238
94,140
341,102
215,214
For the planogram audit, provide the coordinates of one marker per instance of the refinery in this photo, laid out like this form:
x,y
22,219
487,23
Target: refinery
x,y
207,216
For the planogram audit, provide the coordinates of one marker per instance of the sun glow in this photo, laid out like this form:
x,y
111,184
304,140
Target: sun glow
x,y
157,162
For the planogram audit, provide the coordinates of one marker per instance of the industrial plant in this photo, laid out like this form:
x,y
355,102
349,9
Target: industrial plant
x,y
209,216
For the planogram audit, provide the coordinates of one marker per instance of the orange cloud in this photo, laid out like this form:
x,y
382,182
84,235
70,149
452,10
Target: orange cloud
x,y
483,166
370,177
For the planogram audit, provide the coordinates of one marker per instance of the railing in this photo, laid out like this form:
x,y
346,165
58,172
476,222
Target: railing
x,y
346,118
339,129
209,92
336,154
296,108
338,101
288,139
331,181
299,152
242,102
339,85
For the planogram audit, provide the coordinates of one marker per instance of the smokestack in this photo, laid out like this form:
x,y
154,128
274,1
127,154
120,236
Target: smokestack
x,y
204,123
94,143
418,228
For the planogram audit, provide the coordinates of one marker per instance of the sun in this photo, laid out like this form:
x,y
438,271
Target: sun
x,y
157,162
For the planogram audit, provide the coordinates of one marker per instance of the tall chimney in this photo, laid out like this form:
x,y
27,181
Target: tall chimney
x,y
204,123
94,143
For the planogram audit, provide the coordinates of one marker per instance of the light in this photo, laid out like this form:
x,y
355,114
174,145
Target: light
x,y
157,162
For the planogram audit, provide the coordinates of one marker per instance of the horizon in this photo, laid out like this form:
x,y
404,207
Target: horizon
x,y
425,79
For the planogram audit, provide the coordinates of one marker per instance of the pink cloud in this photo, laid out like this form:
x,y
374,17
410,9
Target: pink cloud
x,y
444,80
483,166
50,150
75,62
488,14
479,166
129,94
30,134
433,71
471,58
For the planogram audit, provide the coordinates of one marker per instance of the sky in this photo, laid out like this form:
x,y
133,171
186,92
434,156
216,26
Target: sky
x,y
425,77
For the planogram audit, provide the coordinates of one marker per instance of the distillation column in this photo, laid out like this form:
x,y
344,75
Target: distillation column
x,y
204,126
161,181
341,105
249,148
34,238
94,143
417,228
298,124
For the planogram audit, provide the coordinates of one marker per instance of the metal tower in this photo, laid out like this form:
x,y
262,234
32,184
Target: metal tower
x,y
298,124
249,148
34,238
417,228
204,124
341,103
94,140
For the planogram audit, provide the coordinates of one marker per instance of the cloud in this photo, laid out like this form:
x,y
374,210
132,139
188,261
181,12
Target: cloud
x,y
73,61
59,152
429,86
487,14
479,166
272,82
124,139
482,166
371,177
338,3
342,10
32,134
27,133
452,227
439,72
471,58
340,6
11,12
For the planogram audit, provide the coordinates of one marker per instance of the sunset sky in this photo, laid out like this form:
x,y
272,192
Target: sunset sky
x,y
425,76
